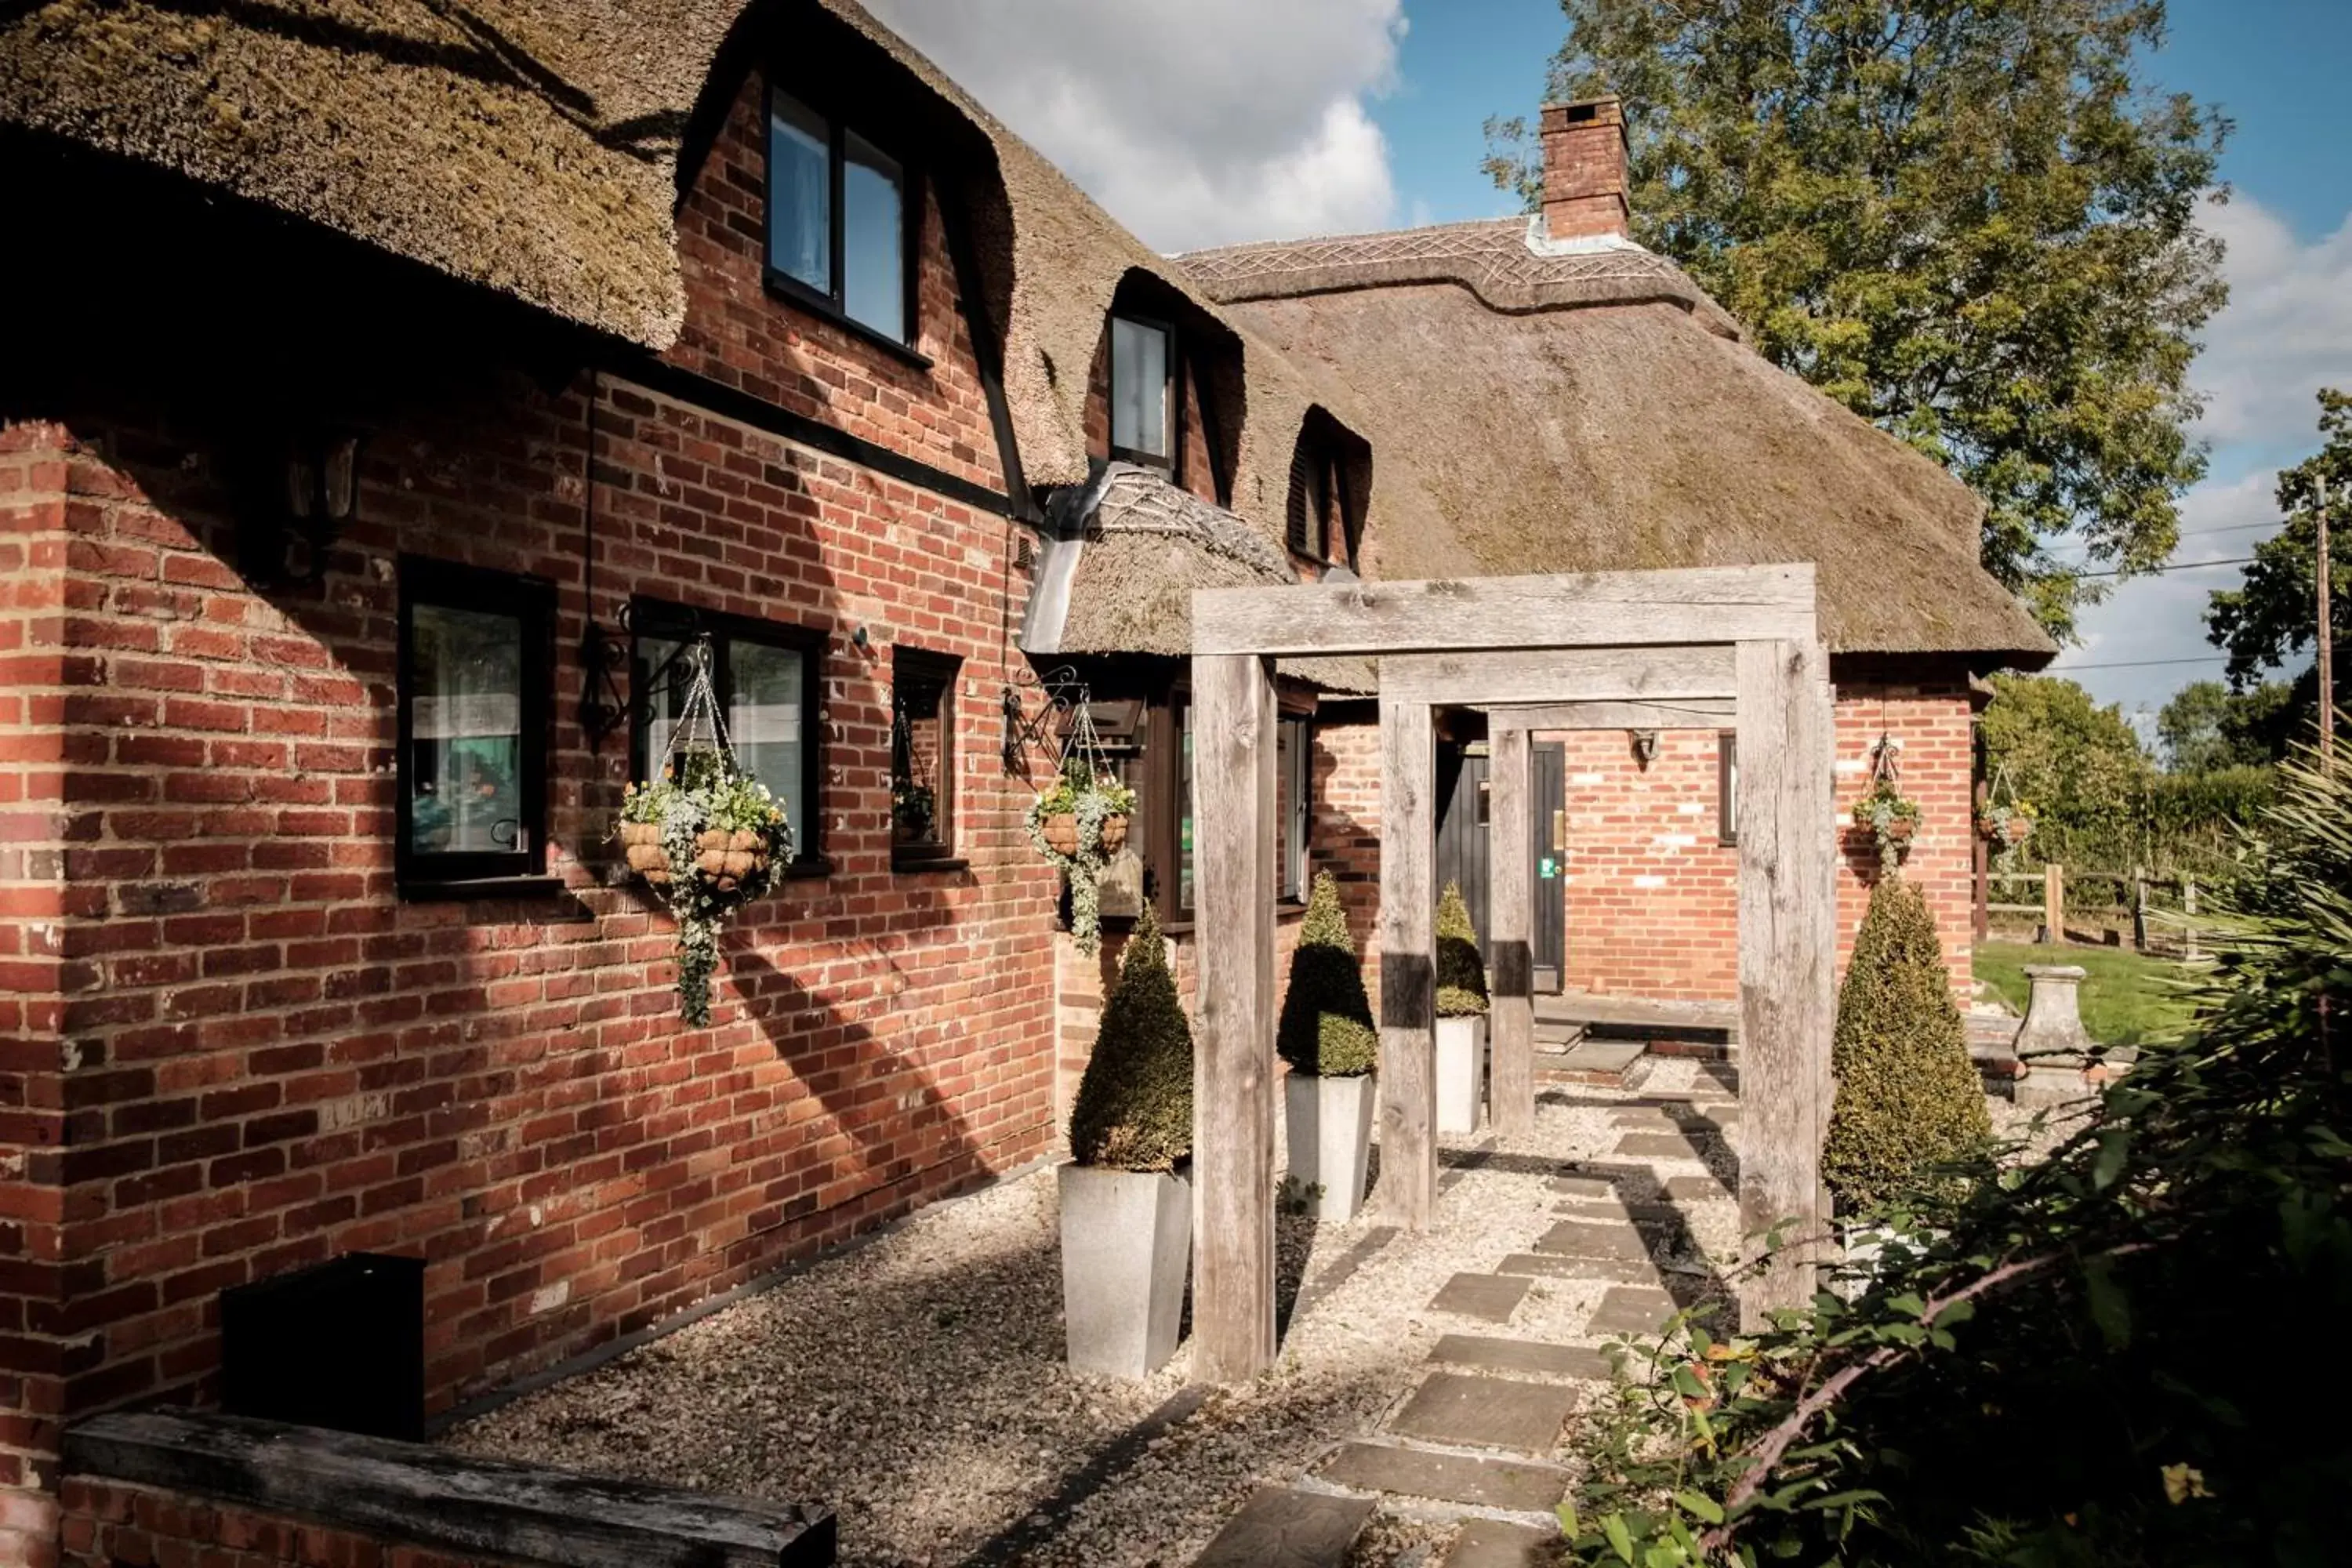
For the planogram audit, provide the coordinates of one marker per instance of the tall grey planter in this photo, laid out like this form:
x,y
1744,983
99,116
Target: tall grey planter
x,y
1330,1123
2051,1043
1461,1072
1127,1245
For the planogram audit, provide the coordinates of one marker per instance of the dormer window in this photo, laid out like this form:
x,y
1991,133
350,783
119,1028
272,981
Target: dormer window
x,y
1321,526
838,236
1143,391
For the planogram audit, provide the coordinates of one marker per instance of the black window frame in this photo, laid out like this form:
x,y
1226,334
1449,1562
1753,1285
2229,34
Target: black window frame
x,y
832,305
1173,461
1298,810
664,620
450,585
1727,787
929,664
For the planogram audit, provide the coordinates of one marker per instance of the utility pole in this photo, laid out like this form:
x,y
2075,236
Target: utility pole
x,y
2326,642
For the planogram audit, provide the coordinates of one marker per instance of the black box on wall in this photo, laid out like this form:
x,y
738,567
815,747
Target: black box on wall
x,y
341,1345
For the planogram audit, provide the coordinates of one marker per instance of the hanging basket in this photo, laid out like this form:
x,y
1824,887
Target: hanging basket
x,y
1114,832
1884,812
1060,831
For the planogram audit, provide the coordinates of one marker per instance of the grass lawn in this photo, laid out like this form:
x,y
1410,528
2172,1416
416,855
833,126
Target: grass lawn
x,y
2127,997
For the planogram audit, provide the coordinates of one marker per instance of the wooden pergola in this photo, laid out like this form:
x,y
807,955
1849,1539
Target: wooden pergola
x,y
1615,649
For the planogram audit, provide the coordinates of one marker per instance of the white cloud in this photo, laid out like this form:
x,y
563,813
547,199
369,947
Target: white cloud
x,y
2286,332
1201,123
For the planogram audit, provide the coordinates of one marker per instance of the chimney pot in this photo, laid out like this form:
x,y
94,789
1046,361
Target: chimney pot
x,y
1584,169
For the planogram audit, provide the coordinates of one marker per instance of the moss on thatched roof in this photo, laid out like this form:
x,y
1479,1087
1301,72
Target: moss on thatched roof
x,y
1586,406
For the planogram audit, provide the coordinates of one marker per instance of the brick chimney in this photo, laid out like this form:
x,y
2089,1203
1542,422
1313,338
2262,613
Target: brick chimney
x,y
1584,169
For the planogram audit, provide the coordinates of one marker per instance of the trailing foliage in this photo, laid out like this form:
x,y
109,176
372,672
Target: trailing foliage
x,y
1461,972
1090,801
1327,1019
2107,1357
1134,1106
1907,1095
722,842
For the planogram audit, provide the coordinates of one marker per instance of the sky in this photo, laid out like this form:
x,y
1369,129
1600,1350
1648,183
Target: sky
x,y
1209,122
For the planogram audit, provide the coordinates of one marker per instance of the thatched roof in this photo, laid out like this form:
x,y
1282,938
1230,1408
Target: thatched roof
x,y
1577,407
533,146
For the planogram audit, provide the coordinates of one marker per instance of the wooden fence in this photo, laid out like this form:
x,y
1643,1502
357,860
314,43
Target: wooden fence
x,y
2162,909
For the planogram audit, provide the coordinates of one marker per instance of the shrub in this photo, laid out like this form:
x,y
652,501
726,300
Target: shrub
x,y
1134,1108
1326,1020
1461,974
1907,1095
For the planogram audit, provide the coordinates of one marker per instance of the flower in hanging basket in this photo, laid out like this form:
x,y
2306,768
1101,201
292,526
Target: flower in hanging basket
x,y
2007,826
1887,814
708,845
1079,824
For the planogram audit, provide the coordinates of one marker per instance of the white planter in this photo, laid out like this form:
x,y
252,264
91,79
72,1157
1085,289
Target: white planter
x,y
1127,1245
1461,1072
1330,1123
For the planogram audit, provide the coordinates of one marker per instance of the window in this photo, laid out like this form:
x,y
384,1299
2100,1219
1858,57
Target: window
x,y
765,676
1726,787
1319,526
1294,760
922,759
837,225
1142,391
474,674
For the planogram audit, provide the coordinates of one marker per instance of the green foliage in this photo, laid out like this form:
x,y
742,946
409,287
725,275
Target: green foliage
x,y
2269,618
1326,1020
1971,223
711,797
1907,1095
1134,1106
2051,1364
1078,794
1461,974
2207,727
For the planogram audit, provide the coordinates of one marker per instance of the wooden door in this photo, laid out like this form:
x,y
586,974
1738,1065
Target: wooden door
x,y
1547,825
1461,810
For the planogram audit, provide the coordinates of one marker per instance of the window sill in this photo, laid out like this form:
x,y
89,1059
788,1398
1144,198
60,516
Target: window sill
x,y
1143,459
907,865
783,287
481,888
809,869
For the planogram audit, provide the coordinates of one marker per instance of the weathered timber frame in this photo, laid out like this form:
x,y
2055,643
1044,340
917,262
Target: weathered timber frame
x,y
1631,649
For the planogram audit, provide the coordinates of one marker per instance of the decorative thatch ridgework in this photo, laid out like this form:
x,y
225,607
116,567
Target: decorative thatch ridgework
x,y
533,147
1585,407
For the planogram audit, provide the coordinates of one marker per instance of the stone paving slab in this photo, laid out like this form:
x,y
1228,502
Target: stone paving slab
x,y
1638,1310
1618,1210
1713,1118
1521,1485
1698,1189
1492,1355
1278,1527
1584,1186
1487,1412
1562,1266
1499,1544
1588,1238
1490,1297
1668,1145
1588,1055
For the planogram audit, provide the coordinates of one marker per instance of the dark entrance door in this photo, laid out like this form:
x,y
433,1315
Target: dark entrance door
x,y
1463,846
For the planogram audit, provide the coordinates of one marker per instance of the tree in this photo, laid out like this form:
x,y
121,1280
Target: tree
x,y
2078,763
2208,727
1970,223
2273,615
1134,1106
1461,972
1907,1094
1326,1020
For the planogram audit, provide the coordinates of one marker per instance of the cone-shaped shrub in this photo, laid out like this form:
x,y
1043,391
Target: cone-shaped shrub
x,y
1907,1094
1134,1110
1460,975
1327,1019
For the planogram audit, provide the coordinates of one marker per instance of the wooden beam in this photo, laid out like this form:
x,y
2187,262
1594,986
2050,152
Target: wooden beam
x,y
1408,1185
1581,609
1698,713
1788,945
1674,674
1510,924
1232,1069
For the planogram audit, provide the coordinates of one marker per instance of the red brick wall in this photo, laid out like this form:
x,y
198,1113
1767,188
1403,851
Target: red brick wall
x,y
110,1524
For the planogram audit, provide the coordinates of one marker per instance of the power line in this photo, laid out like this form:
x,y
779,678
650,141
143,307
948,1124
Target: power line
x,y
2140,663
2175,566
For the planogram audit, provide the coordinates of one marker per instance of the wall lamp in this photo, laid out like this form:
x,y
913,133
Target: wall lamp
x,y
1646,747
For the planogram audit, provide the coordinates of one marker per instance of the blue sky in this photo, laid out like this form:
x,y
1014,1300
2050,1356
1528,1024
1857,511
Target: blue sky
x,y
1218,120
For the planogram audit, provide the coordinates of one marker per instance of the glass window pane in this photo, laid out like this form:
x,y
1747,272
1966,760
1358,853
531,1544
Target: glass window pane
x,y
873,239
465,732
763,720
800,194
1184,808
662,703
1138,387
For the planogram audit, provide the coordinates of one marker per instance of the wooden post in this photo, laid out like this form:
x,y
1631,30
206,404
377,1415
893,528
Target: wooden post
x,y
1511,932
2139,909
1408,1185
2189,910
1233,1070
1788,948
2054,903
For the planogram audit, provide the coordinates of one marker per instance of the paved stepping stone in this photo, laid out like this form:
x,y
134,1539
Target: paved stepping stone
x,y
1640,1309
1491,1297
1282,1529
1616,1211
1668,1145
1586,1239
1491,1354
1487,1412
1560,1266
1671,1118
1597,1061
1520,1485
1499,1544
1584,1186
1698,1190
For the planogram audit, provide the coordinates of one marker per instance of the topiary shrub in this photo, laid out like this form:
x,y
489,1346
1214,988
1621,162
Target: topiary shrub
x,y
1461,974
1907,1095
1326,1020
1134,1110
